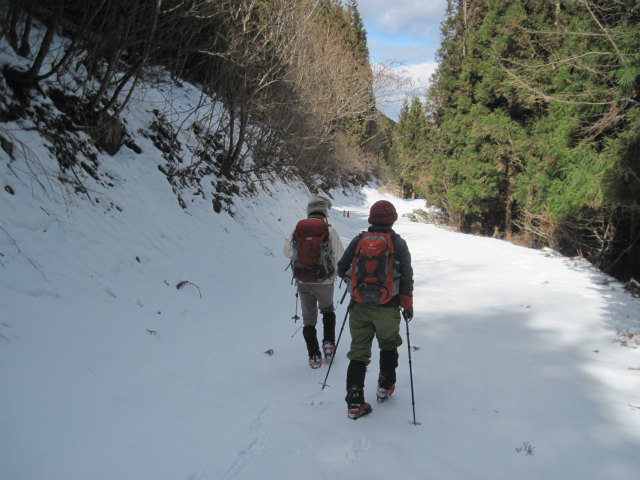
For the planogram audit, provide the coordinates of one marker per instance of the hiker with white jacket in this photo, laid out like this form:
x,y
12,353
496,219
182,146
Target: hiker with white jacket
x,y
314,248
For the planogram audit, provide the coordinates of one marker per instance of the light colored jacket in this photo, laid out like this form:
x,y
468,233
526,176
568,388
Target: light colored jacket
x,y
337,250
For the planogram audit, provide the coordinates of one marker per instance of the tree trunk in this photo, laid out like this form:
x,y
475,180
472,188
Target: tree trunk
x,y
12,36
464,19
45,46
508,215
25,46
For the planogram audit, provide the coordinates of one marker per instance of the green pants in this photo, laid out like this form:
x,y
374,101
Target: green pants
x,y
366,322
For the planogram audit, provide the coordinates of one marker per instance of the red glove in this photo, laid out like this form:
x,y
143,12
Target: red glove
x,y
406,302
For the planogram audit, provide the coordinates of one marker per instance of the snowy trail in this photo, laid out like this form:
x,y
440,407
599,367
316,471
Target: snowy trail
x,y
513,348
505,343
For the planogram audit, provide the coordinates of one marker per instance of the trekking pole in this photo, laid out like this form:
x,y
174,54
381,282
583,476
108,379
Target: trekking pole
x,y
324,384
344,295
295,315
413,401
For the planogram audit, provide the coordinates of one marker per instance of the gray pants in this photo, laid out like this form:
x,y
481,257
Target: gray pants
x,y
312,296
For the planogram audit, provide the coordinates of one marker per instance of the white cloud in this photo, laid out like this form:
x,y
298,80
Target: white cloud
x,y
402,36
413,19
419,75
395,83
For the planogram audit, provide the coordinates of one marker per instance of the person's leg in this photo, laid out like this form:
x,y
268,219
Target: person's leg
x,y
387,375
362,333
356,406
309,307
387,324
324,294
308,304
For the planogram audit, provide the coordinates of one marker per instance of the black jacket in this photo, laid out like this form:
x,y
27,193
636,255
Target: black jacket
x,y
402,256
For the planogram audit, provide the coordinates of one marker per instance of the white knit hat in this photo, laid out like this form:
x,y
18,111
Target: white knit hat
x,y
319,205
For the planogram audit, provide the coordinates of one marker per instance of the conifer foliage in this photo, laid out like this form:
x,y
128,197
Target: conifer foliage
x,y
532,126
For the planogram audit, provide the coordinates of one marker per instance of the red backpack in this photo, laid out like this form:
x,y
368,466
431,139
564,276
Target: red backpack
x,y
311,259
373,278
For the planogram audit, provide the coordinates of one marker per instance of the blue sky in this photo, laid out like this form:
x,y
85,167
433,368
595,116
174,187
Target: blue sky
x,y
406,28
403,35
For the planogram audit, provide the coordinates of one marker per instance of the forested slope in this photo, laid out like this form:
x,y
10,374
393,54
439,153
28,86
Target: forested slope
x,y
287,87
531,130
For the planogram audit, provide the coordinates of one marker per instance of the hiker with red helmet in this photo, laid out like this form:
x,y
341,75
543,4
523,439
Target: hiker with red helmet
x,y
377,265
314,248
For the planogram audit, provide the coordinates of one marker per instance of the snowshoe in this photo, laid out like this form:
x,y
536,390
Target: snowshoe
x,y
383,394
315,361
357,410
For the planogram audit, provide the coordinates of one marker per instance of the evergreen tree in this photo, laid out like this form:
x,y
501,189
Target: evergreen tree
x,y
358,33
532,125
409,140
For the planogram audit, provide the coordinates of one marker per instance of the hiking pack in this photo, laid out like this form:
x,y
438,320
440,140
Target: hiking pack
x,y
374,280
311,259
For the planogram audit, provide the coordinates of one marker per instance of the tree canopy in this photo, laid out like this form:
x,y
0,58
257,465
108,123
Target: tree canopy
x,y
531,128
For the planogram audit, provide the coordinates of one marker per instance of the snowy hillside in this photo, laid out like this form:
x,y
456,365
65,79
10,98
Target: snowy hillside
x,y
133,336
110,371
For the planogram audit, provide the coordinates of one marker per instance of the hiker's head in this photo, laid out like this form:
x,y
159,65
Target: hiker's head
x,y
318,206
382,213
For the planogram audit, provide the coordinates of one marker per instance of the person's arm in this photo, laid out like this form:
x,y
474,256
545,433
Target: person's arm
x,y
287,249
406,278
337,250
344,264
406,270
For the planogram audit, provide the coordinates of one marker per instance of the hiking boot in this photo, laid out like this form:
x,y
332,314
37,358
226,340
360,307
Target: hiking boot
x,y
313,348
355,411
356,406
328,348
383,393
315,361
